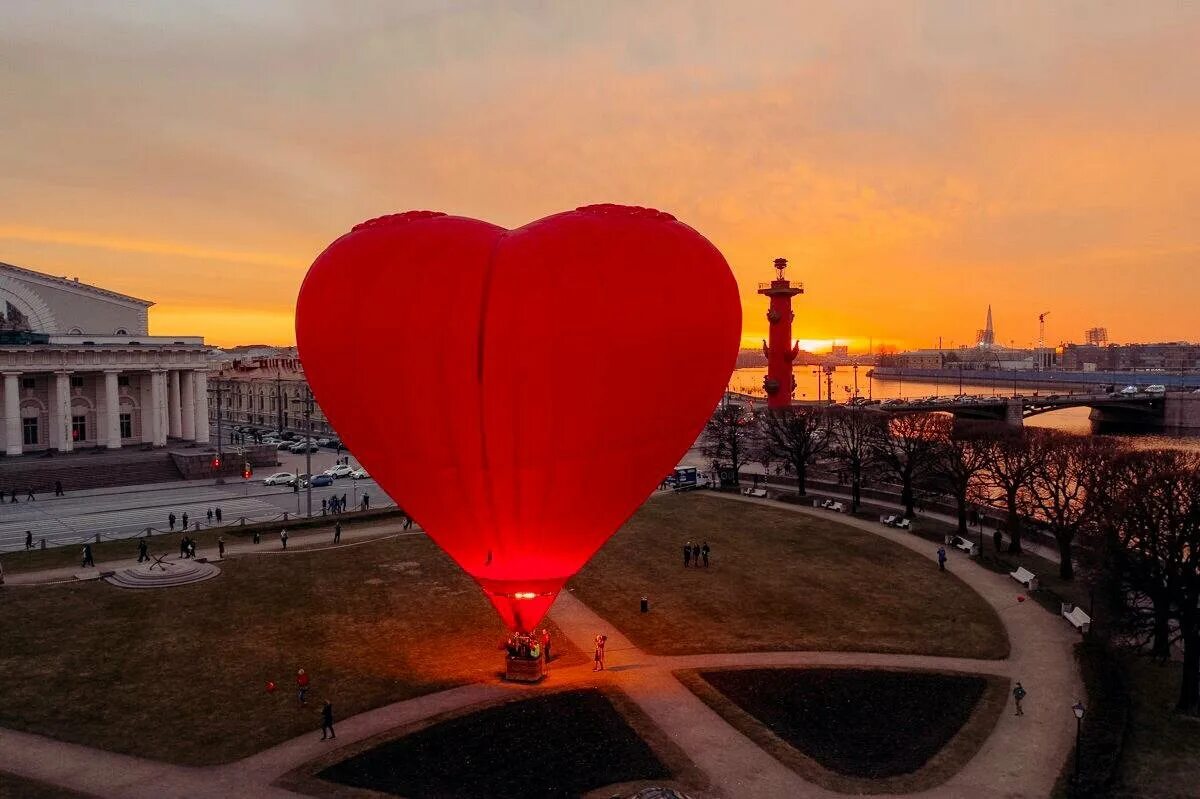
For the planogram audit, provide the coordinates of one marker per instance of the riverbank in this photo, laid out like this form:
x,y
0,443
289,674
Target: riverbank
x,y
1052,379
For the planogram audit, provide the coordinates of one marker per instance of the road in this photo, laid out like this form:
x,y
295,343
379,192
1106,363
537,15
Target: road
x,y
128,511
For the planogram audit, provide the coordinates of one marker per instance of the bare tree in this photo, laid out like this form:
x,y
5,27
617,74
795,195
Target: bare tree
x,y
1156,522
856,435
796,436
959,463
729,436
1063,488
909,451
1011,458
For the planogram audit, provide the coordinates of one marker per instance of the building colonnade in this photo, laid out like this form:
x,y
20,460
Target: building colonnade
x,y
67,408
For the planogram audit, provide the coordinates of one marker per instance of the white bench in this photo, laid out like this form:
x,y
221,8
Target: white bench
x,y
1024,577
890,521
958,542
1078,618
754,492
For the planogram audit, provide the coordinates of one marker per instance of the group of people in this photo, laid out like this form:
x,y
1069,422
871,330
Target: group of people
x,y
212,513
529,646
336,504
29,497
694,554
187,547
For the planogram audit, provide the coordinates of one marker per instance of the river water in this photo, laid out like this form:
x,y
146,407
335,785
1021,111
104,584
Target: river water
x,y
1072,420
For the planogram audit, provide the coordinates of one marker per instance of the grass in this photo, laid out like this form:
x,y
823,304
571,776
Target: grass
x,y
838,728
179,674
779,580
554,745
14,787
1161,757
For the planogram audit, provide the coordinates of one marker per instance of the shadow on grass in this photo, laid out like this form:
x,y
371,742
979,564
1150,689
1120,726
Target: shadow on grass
x,y
839,727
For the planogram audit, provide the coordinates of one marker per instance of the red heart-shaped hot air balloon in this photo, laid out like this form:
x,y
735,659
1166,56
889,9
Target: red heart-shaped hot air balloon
x,y
519,392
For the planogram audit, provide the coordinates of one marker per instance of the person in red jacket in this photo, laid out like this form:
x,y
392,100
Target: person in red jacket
x,y
302,685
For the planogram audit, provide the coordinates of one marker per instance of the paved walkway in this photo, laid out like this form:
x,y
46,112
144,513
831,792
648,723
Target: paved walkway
x,y
307,540
1021,758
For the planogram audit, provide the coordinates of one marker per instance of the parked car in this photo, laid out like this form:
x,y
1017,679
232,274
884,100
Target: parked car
x,y
359,474
1156,389
322,480
896,401
322,442
279,479
341,470
288,435
334,443
1129,390
284,445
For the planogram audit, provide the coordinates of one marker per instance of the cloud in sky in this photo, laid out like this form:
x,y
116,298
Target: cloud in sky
x,y
914,161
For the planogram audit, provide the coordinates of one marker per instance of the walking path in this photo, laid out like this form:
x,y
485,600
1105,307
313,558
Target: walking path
x,y
1021,758
307,540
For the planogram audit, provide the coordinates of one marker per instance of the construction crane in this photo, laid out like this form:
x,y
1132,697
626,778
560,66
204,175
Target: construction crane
x,y
1041,339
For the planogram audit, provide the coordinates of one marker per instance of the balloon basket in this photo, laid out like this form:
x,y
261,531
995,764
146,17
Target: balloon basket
x,y
527,670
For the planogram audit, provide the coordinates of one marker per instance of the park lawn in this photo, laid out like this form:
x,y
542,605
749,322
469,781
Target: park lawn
x,y
779,580
1161,757
179,674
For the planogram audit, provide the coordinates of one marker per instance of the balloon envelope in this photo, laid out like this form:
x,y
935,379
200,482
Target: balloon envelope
x,y
519,392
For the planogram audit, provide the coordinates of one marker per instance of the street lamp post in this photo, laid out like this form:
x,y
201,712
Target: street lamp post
x,y
1078,710
307,401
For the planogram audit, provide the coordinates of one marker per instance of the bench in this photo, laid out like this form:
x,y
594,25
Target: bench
x,y
1078,618
755,492
903,524
890,521
836,507
1024,577
958,542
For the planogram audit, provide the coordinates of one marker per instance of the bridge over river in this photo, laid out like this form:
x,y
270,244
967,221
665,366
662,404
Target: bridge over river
x,y
1175,412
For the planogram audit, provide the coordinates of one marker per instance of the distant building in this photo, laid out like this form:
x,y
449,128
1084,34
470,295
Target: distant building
x,y
1173,357
840,351
80,370
986,338
267,391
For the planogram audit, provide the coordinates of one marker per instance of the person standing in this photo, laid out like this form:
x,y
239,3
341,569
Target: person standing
x,y
1018,695
192,548
302,686
327,720
283,538
408,522
941,559
598,664
324,506
218,513
545,636
366,502
142,554
210,516
183,547
185,520
337,532
998,539
342,503
87,556
704,553
171,521
221,547
58,489
29,497
29,539
687,554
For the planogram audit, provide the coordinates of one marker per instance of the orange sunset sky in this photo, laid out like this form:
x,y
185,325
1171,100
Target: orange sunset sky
x,y
914,161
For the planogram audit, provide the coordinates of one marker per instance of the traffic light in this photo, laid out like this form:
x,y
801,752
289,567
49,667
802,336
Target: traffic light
x,y
246,471
216,462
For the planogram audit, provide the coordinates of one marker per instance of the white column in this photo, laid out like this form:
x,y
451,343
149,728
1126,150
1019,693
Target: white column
x,y
112,409
175,423
12,413
60,412
153,415
187,411
201,415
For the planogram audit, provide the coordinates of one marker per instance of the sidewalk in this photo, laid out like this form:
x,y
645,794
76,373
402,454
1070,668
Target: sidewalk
x,y
308,540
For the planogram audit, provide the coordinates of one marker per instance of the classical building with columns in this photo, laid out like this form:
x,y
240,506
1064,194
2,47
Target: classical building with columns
x,y
80,370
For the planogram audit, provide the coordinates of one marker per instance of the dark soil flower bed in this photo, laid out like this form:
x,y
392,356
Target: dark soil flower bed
x,y
859,723
554,745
